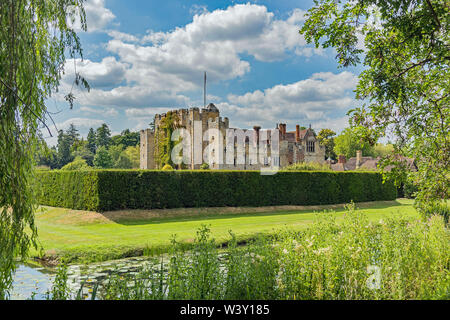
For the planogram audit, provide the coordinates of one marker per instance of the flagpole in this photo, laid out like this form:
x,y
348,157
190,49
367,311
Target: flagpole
x,y
204,92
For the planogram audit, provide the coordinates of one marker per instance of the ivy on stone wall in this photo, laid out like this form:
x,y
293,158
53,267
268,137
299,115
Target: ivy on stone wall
x,y
163,141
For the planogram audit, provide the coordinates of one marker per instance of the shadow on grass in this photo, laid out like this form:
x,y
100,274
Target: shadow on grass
x,y
192,215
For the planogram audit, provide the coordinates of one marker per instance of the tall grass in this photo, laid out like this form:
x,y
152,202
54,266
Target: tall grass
x,y
436,208
397,258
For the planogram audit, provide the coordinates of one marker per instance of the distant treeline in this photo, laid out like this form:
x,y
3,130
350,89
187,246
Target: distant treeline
x,y
99,150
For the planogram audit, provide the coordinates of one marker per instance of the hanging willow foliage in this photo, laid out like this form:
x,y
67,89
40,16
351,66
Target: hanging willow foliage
x,y
36,37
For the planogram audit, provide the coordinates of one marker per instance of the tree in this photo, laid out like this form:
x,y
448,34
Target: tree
x,y
102,159
326,138
81,149
405,79
72,134
127,138
103,136
347,143
68,143
64,155
123,162
92,141
133,154
32,59
114,152
383,150
46,156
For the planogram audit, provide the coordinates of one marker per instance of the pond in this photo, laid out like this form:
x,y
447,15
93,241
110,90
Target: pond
x,y
31,279
34,282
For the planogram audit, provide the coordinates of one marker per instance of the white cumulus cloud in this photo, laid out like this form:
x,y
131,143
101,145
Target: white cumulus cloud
x,y
107,73
97,16
315,100
214,42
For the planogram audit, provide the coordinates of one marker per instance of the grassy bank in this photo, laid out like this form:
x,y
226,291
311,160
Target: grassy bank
x,y
83,236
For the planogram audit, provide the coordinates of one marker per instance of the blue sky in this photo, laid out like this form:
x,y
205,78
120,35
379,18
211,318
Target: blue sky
x,y
146,57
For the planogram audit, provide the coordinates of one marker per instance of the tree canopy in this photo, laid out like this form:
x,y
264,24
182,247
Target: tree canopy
x,y
326,138
103,159
103,136
347,143
405,83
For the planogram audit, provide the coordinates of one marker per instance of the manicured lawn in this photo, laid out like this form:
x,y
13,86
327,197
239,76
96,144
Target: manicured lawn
x,y
83,236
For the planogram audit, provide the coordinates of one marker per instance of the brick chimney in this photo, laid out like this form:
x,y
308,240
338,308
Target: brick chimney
x,y
297,133
257,128
358,158
283,128
342,159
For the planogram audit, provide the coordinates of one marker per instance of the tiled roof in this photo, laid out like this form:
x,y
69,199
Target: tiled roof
x,y
369,163
290,135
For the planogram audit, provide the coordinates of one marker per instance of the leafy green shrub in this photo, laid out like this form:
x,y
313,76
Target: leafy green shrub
x,y
167,167
77,164
103,190
204,166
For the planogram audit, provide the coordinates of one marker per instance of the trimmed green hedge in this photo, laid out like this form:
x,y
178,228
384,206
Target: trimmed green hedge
x,y
103,190
68,189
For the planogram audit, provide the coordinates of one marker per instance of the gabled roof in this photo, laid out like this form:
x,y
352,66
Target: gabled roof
x,y
290,135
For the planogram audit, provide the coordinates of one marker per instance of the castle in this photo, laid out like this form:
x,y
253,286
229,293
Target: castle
x,y
293,147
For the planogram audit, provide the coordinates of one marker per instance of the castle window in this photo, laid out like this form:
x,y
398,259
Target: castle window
x,y
310,146
276,161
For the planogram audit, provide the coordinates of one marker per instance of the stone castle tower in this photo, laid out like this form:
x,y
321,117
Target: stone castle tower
x,y
209,117
147,148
